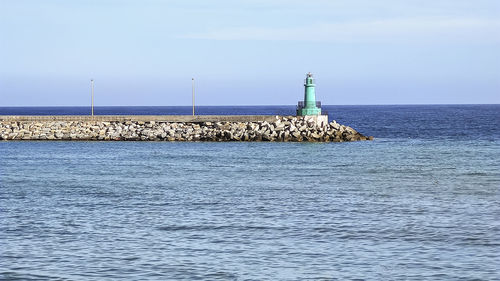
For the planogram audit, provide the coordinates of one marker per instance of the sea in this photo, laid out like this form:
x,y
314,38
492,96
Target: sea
x,y
419,202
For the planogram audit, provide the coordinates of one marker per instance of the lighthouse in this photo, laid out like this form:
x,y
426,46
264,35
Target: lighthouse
x,y
309,106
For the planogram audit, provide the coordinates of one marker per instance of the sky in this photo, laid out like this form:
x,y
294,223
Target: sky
x,y
249,52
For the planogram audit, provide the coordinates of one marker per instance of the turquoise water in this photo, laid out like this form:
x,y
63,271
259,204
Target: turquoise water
x,y
400,208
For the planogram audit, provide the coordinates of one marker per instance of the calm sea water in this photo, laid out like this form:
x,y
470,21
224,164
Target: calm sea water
x,y
420,202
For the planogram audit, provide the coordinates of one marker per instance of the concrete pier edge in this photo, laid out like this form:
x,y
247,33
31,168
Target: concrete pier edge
x,y
145,118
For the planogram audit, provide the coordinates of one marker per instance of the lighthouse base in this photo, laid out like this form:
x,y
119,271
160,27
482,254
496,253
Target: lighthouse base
x,y
308,111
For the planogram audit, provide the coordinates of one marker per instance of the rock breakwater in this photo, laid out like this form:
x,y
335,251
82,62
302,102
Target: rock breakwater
x,y
282,128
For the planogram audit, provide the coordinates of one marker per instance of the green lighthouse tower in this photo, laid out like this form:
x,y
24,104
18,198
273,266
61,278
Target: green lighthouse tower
x,y
309,106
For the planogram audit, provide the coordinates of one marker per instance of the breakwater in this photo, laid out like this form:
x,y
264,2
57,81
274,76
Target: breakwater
x,y
177,128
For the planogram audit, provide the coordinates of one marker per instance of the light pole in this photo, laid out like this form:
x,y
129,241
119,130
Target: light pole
x,y
92,91
192,86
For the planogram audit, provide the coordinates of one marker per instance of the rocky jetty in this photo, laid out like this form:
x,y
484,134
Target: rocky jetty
x,y
282,128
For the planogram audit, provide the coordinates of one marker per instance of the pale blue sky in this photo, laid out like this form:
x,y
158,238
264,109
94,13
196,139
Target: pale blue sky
x,y
249,52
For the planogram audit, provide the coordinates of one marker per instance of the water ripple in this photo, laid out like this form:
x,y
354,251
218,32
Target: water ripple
x,y
382,210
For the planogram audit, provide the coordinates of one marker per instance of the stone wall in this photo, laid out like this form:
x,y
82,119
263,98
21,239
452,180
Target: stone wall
x,y
274,128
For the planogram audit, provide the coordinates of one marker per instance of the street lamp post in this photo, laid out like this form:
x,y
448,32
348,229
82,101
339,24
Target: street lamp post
x,y
192,86
92,92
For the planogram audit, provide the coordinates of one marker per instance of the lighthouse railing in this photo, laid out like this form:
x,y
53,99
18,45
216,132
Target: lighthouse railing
x,y
301,104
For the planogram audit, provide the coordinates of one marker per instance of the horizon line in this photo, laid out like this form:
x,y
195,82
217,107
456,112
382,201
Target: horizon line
x,y
387,104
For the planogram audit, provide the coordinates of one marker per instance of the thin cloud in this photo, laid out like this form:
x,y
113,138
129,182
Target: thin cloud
x,y
394,30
